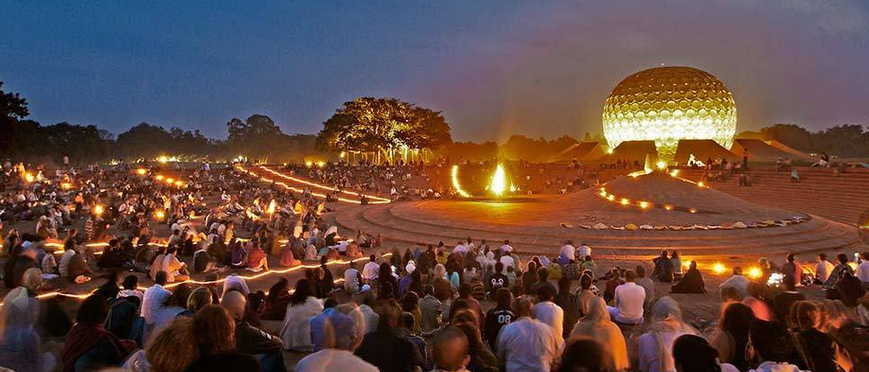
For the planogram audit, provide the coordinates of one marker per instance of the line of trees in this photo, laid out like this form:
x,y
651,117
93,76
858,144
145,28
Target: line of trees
x,y
381,129
844,141
257,138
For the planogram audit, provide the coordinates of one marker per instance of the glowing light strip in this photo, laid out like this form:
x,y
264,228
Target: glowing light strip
x,y
288,187
454,175
219,281
642,204
299,180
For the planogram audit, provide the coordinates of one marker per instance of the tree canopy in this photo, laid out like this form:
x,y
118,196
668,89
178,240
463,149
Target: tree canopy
x,y
383,125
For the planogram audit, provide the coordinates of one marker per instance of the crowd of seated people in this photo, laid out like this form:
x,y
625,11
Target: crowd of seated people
x,y
416,309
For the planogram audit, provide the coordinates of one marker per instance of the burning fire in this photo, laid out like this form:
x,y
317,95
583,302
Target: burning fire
x,y
499,181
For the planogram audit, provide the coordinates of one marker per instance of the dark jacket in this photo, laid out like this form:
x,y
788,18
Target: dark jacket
x,y
389,352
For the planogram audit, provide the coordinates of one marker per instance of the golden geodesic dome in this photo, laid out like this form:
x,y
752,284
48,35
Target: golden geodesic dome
x,y
668,104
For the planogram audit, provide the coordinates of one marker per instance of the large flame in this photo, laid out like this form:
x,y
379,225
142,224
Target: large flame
x,y
499,181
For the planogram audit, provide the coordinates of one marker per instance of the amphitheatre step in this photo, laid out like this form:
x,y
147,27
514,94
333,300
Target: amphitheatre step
x,y
355,221
378,214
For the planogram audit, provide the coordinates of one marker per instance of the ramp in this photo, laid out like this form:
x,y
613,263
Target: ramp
x,y
759,150
581,151
633,151
703,150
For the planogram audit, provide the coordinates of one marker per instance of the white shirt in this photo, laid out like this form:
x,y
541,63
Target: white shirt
x,y
737,281
506,248
823,269
508,261
584,251
528,345
629,299
334,360
568,251
863,272
550,314
461,248
369,271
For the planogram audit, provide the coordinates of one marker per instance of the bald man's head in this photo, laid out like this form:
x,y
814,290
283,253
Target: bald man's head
x,y
450,349
234,303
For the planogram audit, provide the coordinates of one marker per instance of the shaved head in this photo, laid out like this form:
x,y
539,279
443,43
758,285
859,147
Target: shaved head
x,y
234,303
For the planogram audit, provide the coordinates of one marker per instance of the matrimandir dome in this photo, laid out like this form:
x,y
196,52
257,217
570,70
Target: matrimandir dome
x,y
668,104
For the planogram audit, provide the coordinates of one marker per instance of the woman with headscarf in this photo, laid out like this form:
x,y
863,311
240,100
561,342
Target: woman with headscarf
x,y
296,329
655,347
19,342
598,326
692,281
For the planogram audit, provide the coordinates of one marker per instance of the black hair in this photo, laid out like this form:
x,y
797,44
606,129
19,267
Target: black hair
x,y
694,354
93,309
771,341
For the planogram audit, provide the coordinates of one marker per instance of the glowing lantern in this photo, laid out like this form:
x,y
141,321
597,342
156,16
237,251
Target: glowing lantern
x,y
66,186
170,180
159,177
163,158
28,177
718,268
644,204
499,181
661,165
701,184
141,171
98,210
755,272
160,214
625,201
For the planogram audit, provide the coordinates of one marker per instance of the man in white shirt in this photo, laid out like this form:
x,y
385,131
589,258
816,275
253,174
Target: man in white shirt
x,y
527,344
348,330
507,261
629,298
823,268
369,271
547,311
568,253
737,281
863,269
506,248
460,248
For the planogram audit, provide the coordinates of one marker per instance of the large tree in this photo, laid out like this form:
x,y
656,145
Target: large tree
x,y
13,109
384,126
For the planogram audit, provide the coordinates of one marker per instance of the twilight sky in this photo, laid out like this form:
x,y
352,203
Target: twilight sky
x,y
495,68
